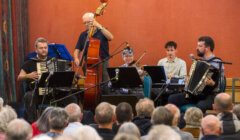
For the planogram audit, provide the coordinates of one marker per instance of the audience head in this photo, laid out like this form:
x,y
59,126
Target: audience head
x,y
236,110
163,132
129,128
124,112
144,107
1,103
7,114
86,133
58,119
193,116
74,112
104,114
176,113
43,120
41,137
211,125
223,103
19,129
125,136
162,115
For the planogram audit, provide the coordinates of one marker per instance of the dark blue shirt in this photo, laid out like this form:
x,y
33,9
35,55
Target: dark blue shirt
x,y
104,47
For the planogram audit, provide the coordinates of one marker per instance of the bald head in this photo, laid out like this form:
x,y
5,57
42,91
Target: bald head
x,y
223,102
88,17
74,112
175,111
211,125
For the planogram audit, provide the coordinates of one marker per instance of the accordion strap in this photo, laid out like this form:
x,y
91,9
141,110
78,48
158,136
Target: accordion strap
x,y
214,58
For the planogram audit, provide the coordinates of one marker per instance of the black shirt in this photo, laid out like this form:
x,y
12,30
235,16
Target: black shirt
x,y
31,66
104,46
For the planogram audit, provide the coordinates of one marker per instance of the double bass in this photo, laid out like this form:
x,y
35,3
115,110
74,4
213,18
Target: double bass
x,y
92,74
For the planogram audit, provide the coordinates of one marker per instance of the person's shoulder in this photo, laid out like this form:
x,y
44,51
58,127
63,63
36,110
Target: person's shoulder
x,y
181,60
162,60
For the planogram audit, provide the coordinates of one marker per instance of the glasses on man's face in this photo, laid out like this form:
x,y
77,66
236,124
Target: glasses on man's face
x,y
88,22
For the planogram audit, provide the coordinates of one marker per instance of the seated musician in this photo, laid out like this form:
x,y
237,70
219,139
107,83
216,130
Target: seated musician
x,y
174,68
204,101
128,58
29,74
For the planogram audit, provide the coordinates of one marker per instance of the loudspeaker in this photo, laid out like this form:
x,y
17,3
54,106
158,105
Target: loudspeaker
x,y
116,99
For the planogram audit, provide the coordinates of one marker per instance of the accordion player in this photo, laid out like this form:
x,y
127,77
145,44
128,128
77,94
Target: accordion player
x,y
200,73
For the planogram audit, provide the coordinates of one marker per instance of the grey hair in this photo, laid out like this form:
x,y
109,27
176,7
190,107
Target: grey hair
x,y
163,132
86,133
129,128
144,107
193,116
7,114
40,40
19,129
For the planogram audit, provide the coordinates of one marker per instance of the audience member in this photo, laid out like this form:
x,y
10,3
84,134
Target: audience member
x,y
162,132
75,116
19,129
86,133
124,113
223,105
236,110
58,120
210,128
7,114
104,116
125,136
176,117
144,109
42,124
129,128
193,117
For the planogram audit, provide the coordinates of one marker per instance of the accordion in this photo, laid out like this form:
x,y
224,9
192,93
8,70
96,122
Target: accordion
x,y
52,65
199,72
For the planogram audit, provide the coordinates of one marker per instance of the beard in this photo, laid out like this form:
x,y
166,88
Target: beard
x,y
200,54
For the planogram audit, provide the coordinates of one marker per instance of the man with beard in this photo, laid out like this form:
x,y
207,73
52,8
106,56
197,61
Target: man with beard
x,y
204,101
29,74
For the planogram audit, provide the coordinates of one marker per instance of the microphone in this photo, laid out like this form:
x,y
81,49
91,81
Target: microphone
x,y
117,73
49,76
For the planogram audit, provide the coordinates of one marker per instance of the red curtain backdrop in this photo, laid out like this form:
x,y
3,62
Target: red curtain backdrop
x,y
13,41
146,25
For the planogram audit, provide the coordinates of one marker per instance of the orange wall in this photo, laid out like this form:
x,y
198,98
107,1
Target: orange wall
x,y
146,25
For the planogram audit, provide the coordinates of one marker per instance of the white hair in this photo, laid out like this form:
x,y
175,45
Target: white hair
x,y
88,15
163,132
130,128
86,133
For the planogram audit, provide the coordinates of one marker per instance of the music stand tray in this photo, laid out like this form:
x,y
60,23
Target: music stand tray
x,y
157,73
57,79
128,77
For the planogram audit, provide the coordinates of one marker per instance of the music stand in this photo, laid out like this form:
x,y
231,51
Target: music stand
x,y
157,73
58,51
128,77
57,79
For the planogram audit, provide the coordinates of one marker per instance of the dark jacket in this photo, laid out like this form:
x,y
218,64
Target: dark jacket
x,y
211,137
143,123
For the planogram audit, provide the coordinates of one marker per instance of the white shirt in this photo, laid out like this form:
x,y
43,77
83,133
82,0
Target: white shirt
x,y
175,68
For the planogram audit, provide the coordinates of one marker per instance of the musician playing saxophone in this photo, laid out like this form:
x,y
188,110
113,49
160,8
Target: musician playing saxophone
x,y
204,101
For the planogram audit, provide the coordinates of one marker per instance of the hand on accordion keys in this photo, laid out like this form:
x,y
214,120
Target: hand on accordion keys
x,y
209,81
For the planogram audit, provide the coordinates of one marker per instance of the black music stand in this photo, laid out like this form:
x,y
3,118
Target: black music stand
x,y
157,73
56,79
128,77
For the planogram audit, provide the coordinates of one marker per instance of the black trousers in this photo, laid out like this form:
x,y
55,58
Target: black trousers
x,y
204,102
